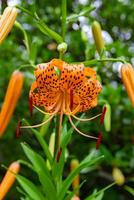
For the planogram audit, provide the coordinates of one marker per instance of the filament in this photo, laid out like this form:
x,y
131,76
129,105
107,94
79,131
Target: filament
x,y
46,113
85,120
38,125
81,133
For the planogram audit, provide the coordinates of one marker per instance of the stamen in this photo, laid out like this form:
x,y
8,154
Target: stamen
x,y
99,140
45,113
74,111
81,133
103,115
85,120
38,125
53,113
18,129
31,106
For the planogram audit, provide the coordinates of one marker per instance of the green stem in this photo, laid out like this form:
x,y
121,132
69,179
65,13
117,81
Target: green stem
x,y
42,26
95,61
57,121
26,66
64,14
60,55
26,41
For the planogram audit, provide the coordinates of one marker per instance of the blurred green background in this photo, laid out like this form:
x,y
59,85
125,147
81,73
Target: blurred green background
x,y
117,20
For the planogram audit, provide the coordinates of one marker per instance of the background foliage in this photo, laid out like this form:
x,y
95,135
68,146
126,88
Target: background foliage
x,y
117,22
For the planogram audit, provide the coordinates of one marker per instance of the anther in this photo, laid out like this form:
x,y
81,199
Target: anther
x,y
99,140
18,132
103,115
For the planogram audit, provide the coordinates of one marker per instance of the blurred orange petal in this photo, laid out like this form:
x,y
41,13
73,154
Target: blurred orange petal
x,y
11,99
9,179
7,21
127,74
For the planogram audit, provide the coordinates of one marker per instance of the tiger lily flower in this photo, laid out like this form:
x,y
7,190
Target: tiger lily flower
x,y
127,74
7,21
9,179
11,99
62,88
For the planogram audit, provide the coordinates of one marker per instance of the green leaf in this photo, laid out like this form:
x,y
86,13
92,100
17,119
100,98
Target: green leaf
x,y
26,164
100,196
108,157
71,194
42,26
89,160
32,191
25,10
49,31
57,168
42,171
85,11
42,143
129,189
95,194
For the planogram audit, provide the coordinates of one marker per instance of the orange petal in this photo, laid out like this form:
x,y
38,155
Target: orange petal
x,y
89,72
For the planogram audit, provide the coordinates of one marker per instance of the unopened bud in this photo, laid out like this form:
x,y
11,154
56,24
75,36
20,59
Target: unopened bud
x,y
97,34
107,119
11,98
75,184
62,47
118,176
7,21
9,179
127,75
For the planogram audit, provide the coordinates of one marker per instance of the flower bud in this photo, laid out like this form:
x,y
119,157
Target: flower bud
x,y
62,47
118,176
9,179
75,184
11,99
107,119
97,34
7,21
127,75
75,198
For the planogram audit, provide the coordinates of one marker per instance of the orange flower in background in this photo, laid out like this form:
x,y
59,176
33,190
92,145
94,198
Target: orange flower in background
x,y
9,179
65,89
127,74
7,21
11,99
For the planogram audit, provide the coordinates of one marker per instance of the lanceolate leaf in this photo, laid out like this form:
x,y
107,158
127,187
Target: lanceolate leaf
x,y
89,160
42,171
99,193
32,191
42,143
